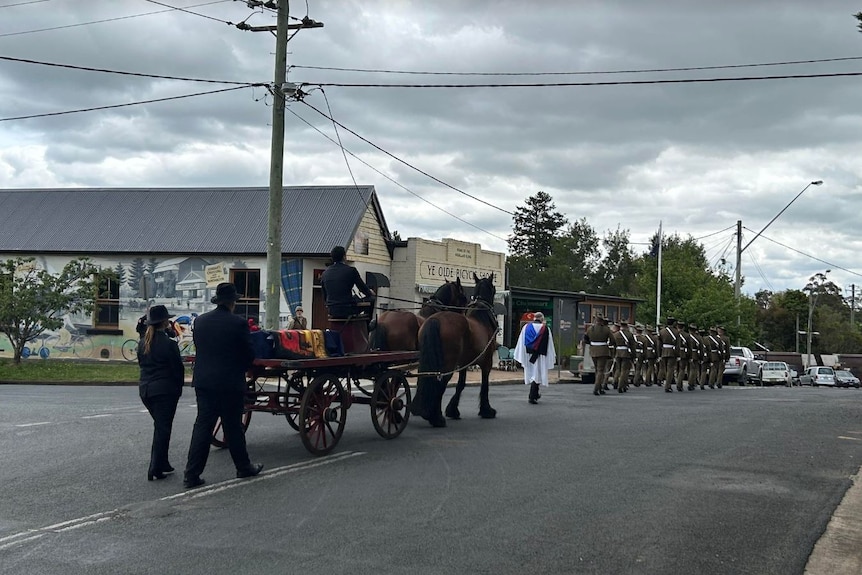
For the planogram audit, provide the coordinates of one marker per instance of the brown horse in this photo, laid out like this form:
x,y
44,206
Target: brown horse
x,y
450,342
398,330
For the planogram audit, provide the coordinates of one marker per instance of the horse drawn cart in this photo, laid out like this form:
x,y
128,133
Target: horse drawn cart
x,y
315,394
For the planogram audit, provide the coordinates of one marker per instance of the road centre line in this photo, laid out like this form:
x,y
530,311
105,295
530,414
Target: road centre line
x,y
850,438
72,524
97,416
33,424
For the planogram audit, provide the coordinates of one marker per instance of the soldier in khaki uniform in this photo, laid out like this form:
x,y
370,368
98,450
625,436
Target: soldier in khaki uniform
x,y
599,336
715,358
682,361
695,358
669,353
725,352
651,355
624,345
640,354
659,366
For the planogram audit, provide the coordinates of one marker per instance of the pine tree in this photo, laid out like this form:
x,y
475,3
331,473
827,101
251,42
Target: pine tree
x,y
536,225
136,274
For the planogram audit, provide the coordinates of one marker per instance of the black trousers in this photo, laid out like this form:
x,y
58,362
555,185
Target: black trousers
x,y
162,409
212,405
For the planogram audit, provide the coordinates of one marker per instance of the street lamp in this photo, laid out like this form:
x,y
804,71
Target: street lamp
x,y
815,283
740,248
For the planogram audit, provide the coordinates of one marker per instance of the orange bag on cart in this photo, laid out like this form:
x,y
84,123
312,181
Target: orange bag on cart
x,y
311,341
290,344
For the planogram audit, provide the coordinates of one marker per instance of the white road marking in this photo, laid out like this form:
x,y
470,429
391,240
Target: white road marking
x,y
72,524
34,424
850,438
96,416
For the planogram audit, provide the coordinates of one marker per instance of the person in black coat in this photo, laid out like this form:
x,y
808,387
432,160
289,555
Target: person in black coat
x,y
222,357
161,385
337,283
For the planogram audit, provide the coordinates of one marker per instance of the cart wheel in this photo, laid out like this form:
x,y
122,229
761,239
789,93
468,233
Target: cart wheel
x,y
293,405
322,414
218,439
130,349
389,402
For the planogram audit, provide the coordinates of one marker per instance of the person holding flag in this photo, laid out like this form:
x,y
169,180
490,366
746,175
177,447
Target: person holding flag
x,y
535,351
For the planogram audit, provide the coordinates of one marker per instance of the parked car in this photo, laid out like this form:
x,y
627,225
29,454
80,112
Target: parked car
x,y
741,366
843,378
774,373
817,375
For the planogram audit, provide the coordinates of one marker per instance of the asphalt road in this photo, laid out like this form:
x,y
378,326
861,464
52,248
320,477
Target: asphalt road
x,y
738,480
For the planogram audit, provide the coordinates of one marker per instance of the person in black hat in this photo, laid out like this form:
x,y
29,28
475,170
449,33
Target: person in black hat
x,y
160,386
223,353
337,283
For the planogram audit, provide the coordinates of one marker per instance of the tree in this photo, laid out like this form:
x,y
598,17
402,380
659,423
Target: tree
x,y
616,271
136,274
858,16
574,259
33,300
120,273
536,225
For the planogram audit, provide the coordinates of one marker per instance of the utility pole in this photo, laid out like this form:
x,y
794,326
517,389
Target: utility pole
x,y
852,305
280,88
737,285
276,174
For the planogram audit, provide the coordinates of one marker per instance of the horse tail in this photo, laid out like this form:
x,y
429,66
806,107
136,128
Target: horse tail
x,y
379,337
430,347
426,401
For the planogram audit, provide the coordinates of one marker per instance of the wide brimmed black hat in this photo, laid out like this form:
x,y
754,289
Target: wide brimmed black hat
x,y
225,293
158,314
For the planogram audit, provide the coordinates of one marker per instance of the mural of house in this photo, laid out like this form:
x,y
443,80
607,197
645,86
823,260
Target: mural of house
x,y
172,246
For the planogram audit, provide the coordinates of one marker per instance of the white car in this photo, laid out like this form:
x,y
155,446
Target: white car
x,y
774,373
818,375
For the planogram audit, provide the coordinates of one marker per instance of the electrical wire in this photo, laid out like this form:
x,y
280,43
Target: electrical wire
x,y
411,166
120,72
343,153
580,73
586,84
831,265
124,105
188,11
760,272
23,3
107,20
397,183
714,233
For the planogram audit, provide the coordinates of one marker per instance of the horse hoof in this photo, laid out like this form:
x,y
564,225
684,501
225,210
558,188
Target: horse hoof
x,y
453,413
437,422
489,413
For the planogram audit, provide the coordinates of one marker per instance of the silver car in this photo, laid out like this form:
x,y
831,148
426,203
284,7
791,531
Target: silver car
x,y
817,375
774,373
843,378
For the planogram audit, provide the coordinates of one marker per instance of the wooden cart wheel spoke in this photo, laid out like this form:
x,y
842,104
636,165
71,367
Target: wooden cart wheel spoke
x,y
389,402
218,436
322,414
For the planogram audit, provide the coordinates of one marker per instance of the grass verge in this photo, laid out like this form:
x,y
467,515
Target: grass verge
x,y
71,371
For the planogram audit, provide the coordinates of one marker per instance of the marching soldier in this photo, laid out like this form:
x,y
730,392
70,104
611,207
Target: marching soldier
x,y
599,336
659,366
669,352
640,354
725,357
652,352
695,357
704,357
624,353
715,358
682,361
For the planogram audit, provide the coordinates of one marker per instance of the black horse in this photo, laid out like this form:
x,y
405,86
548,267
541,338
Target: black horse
x,y
450,342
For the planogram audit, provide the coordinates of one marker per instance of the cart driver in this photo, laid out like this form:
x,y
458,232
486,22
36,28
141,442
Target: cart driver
x,y
337,283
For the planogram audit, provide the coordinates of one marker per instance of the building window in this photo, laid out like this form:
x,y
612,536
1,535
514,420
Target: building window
x,y
247,283
107,313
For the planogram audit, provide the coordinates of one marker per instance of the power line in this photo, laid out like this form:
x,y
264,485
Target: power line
x,y
409,165
831,265
340,145
760,272
586,84
188,12
125,105
120,72
23,3
107,20
394,181
714,233
579,73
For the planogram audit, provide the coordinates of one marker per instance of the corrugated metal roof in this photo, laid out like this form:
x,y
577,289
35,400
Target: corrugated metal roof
x,y
180,220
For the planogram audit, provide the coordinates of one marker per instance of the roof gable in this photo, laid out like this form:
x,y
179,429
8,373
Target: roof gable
x,y
180,220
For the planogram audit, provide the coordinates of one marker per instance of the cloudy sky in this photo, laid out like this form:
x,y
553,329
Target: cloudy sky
x,y
697,156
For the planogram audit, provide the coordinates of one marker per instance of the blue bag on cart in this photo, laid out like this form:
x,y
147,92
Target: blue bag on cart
x,y
263,344
332,343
